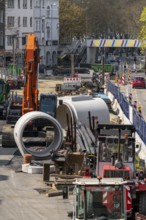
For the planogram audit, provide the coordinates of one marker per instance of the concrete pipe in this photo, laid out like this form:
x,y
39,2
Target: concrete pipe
x,y
23,122
77,108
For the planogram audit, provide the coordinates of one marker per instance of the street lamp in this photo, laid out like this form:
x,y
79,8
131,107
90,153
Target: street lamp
x,y
51,16
103,64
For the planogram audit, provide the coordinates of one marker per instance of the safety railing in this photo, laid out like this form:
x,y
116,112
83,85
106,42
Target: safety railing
x,y
138,121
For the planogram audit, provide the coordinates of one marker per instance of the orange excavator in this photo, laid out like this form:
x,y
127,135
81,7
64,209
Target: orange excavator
x,y
20,105
30,92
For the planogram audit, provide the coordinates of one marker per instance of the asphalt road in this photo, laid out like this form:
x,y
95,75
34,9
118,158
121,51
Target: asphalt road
x,y
138,95
20,196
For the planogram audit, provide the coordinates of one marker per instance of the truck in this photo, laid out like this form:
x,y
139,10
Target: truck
x,y
30,100
113,190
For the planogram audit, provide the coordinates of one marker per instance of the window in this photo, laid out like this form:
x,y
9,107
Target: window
x,y
43,3
10,21
1,38
10,40
24,21
30,4
31,22
23,40
18,21
43,26
1,16
24,4
48,11
10,3
18,3
38,3
48,30
37,25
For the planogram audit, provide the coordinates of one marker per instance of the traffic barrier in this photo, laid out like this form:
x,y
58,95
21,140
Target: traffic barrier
x,y
72,80
123,79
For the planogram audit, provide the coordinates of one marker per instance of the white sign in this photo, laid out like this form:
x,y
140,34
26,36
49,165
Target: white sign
x,y
72,81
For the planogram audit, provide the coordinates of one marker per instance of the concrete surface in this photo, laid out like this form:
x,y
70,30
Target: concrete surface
x,y
20,197
19,192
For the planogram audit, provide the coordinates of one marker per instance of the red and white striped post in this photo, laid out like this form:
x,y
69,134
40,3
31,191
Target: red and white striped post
x,y
123,79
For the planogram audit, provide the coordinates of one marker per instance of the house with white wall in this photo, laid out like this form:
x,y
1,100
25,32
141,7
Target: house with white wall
x,y
40,17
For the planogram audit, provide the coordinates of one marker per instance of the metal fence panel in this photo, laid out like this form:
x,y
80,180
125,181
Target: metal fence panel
x,y
138,121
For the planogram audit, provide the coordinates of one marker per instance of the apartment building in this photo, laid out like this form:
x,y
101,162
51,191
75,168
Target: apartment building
x,y
40,17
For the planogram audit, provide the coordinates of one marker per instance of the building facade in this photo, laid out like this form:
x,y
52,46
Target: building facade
x,y
40,17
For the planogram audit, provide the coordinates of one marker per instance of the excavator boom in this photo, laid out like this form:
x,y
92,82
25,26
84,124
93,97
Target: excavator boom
x,y
30,92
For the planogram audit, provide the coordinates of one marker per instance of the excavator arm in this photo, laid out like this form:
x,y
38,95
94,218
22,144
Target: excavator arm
x,y
30,92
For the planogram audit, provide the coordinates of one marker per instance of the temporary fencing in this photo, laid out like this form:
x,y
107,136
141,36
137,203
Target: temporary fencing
x,y
138,121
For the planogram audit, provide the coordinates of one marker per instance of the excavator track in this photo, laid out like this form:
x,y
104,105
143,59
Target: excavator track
x,y
8,137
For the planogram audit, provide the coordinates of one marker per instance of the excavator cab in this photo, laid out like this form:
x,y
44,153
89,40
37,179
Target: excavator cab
x,y
116,151
100,199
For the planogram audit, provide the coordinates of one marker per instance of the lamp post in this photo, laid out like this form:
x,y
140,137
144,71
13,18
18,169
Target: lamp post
x,y
51,16
103,64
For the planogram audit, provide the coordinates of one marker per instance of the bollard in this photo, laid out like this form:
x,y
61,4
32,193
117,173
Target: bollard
x,y
123,79
139,110
130,98
135,104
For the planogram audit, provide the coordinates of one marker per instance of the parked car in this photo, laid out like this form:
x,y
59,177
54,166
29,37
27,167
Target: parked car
x,y
138,82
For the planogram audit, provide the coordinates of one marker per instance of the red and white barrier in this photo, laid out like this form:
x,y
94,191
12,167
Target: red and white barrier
x,y
123,79
72,80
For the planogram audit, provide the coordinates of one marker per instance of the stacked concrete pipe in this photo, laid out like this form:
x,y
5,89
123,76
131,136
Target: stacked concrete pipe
x,y
23,122
77,108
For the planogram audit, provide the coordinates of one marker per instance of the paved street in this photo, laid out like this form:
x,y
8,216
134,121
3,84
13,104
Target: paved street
x,y
138,95
19,193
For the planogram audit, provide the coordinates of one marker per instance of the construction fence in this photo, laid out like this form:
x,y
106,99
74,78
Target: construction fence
x,y
138,121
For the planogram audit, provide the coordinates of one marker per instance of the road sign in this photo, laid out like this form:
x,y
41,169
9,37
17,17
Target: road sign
x,y
72,80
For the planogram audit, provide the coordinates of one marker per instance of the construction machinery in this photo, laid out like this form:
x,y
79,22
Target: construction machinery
x,y
112,190
4,95
29,101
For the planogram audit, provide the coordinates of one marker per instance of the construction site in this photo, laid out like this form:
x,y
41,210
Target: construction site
x,y
66,152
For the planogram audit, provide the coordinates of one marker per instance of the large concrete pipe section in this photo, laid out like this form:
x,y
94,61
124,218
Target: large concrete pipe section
x,y
77,108
23,122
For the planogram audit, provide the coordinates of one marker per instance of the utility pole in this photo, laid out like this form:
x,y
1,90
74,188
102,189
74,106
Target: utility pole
x,y
103,64
72,64
14,48
14,56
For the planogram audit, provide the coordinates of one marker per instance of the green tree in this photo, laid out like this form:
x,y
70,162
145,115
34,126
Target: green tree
x,y
72,20
142,35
